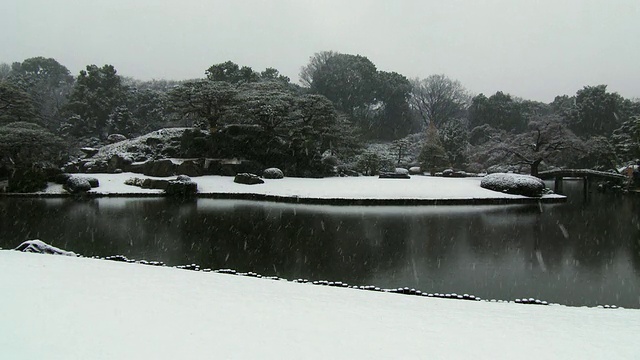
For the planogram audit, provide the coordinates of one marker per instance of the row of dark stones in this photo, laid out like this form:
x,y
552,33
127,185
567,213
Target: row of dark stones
x,y
400,290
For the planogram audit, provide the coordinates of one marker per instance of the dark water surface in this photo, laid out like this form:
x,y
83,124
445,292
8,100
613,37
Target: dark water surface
x,y
578,253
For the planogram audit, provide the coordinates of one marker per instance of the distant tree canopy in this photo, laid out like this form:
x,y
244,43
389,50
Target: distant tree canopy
x,y
94,99
376,101
47,83
439,99
499,111
343,98
15,104
597,111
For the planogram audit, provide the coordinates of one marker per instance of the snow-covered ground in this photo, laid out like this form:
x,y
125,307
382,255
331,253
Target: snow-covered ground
x,y
59,307
365,187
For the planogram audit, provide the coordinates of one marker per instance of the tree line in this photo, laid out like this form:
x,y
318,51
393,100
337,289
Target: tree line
x,y
342,102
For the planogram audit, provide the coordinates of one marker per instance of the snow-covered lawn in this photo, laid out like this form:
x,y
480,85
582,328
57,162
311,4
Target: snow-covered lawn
x,y
58,307
366,187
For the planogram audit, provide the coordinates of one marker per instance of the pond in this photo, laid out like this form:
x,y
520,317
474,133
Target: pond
x,y
577,253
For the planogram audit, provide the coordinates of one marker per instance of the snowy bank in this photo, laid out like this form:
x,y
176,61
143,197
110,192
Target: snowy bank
x,y
337,190
59,307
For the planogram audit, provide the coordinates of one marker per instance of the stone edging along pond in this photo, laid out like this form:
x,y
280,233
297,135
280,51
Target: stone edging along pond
x,y
400,290
303,200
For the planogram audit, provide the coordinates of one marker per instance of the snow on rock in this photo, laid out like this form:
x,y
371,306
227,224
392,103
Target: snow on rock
x,y
77,184
41,247
272,173
79,308
132,148
247,179
525,185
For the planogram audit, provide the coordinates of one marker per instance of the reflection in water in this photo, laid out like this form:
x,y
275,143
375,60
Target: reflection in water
x,y
574,253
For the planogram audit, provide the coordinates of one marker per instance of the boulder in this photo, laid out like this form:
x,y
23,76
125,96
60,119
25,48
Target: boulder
x,y
159,168
182,186
516,184
118,161
453,173
40,247
114,138
272,173
247,179
89,151
190,168
160,184
77,185
393,175
93,167
61,178
93,182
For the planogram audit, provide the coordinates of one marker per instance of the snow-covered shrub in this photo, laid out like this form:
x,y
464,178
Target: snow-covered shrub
x,y
402,171
514,184
272,173
415,170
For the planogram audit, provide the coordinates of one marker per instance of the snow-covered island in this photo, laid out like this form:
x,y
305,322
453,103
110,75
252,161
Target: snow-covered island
x,y
335,190
62,307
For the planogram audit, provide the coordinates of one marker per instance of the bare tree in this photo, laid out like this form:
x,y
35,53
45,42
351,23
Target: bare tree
x,y
546,140
315,62
438,99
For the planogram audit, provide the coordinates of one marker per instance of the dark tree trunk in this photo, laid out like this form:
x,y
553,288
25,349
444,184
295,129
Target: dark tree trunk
x,y
534,167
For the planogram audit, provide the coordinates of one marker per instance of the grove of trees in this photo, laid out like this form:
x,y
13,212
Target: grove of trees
x,y
343,102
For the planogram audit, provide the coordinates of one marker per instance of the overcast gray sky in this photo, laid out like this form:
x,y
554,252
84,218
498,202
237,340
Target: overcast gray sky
x,y
528,48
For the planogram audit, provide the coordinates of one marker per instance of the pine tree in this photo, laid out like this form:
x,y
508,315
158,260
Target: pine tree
x,y
433,155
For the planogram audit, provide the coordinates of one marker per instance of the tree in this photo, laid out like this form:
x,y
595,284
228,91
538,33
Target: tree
x,y
25,150
438,99
268,105
15,104
271,74
202,101
598,112
401,147
546,140
433,155
97,93
48,83
349,81
5,70
318,60
394,118
232,73
626,139
454,136
499,111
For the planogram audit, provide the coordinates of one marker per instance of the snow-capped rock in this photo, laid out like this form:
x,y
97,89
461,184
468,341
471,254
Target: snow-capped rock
x,y
41,247
514,184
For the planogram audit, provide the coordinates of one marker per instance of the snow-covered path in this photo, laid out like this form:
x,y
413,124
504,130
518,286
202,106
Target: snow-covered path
x,y
57,307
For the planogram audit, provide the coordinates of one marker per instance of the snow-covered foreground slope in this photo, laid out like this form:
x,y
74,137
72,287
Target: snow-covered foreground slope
x,y
366,187
57,307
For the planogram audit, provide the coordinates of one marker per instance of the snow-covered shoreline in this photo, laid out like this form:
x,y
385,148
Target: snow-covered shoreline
x,y
62,307
364,190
